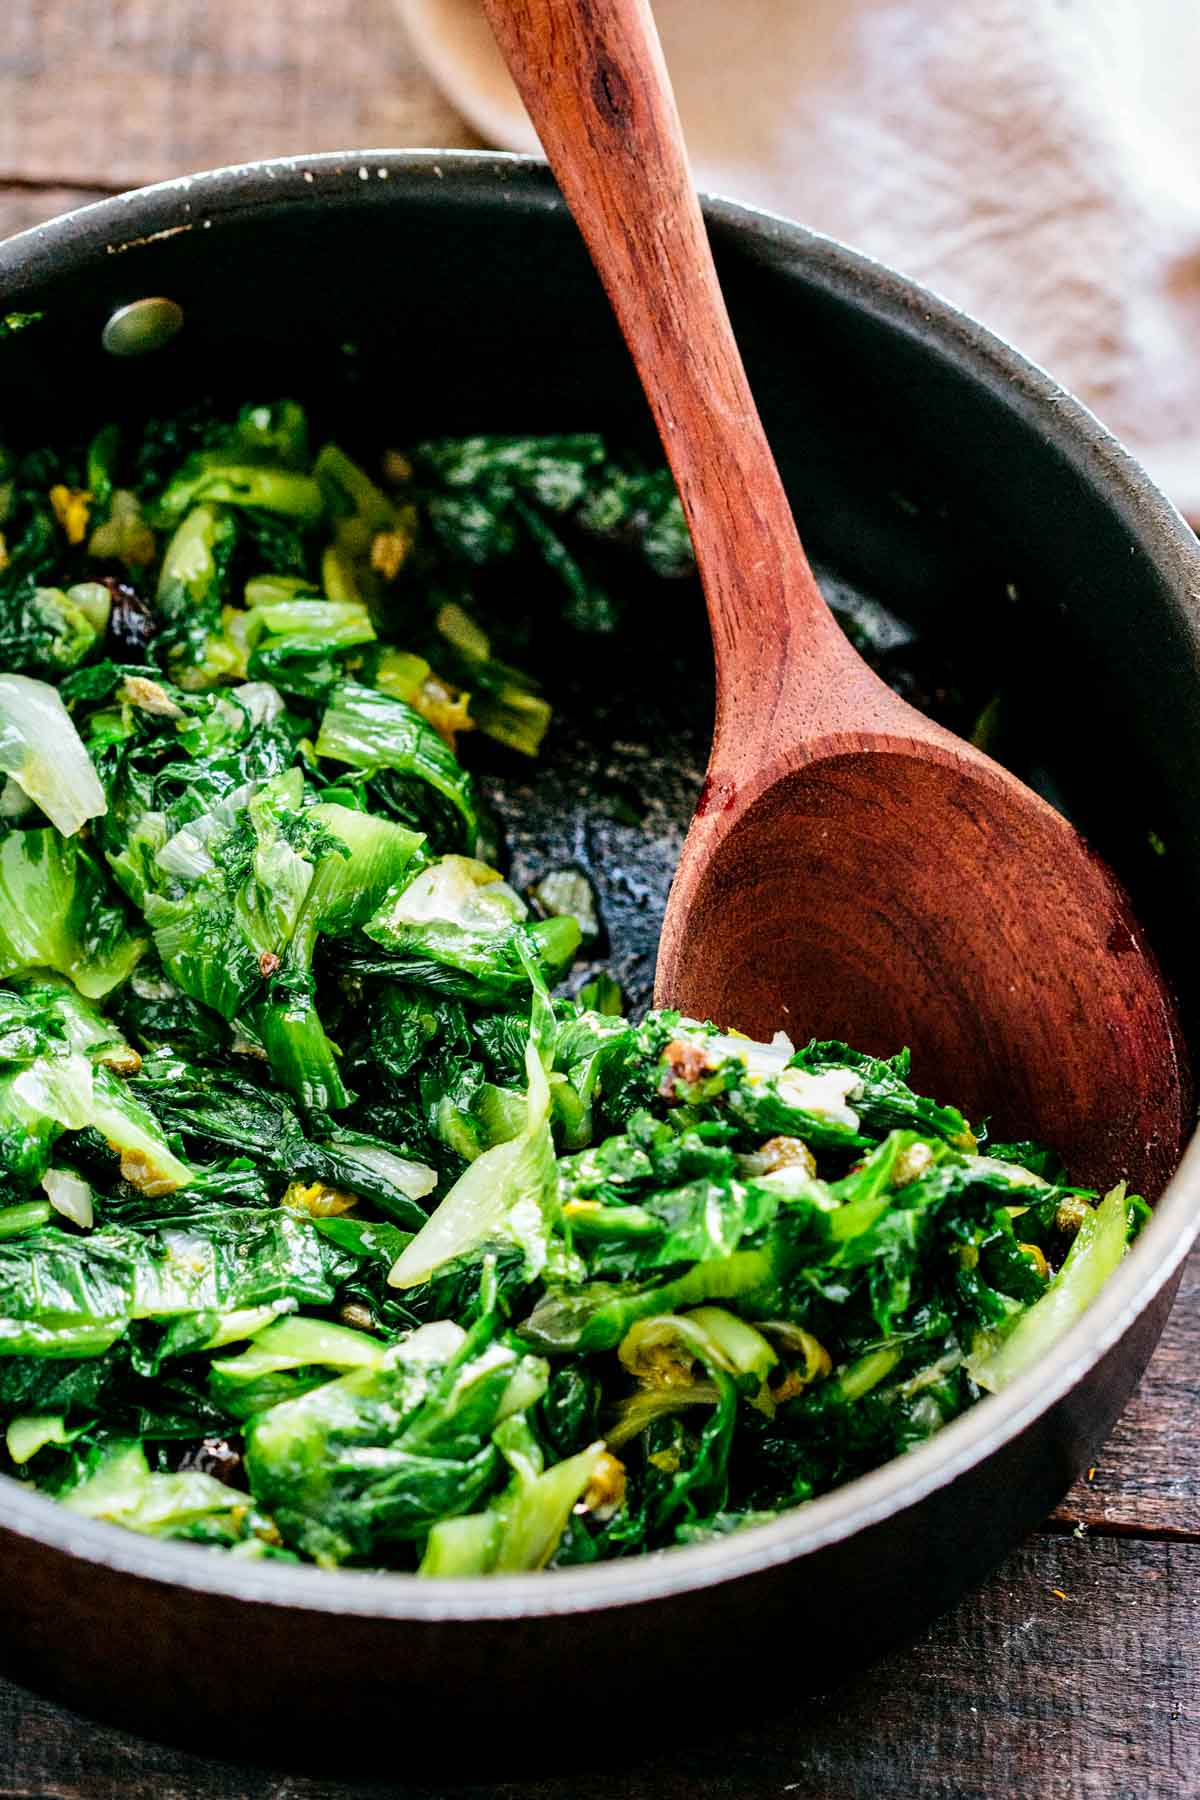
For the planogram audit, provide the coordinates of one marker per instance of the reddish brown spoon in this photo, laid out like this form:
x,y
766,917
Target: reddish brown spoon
x,y
853,870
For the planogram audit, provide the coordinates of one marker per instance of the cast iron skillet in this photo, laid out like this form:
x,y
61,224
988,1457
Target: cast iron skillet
x,y
933,470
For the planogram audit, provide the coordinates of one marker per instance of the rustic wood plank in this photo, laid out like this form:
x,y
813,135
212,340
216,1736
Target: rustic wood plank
x,y
21,207
131,90
1074,1673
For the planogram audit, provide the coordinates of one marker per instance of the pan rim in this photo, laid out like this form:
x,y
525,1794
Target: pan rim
x,y
128,221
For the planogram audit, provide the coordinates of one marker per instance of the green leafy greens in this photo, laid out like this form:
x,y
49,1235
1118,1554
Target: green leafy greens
x,y
328,1229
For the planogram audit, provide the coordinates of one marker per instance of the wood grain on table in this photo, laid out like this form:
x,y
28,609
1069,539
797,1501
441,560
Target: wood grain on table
x,y
1076,1669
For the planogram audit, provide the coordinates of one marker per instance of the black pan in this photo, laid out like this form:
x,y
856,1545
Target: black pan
x,y
934,472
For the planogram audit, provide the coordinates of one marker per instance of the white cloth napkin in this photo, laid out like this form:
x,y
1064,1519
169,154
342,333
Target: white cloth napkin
x,y
1035,161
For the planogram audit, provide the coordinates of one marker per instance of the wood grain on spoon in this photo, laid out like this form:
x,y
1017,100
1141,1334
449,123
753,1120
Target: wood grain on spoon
x,y
853,870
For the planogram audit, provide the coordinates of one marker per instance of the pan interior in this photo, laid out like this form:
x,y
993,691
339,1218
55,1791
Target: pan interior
x,y
955,535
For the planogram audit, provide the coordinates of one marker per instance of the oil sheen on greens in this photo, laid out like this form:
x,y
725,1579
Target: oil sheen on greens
x,y
327,1229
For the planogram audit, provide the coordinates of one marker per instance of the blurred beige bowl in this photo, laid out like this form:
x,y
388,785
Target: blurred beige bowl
x,y
730,94
457,47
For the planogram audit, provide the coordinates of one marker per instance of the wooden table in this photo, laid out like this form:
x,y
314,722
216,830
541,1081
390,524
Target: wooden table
x,y
1076,1670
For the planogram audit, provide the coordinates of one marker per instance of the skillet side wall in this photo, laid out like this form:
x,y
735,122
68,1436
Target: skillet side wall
x,y
324,1691
919,480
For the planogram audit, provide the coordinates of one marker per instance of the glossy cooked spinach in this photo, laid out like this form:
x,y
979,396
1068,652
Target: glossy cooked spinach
x,y
328,1228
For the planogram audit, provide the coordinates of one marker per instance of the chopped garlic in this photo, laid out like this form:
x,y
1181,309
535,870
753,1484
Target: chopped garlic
x,y
824,1095
72,508
1013,1172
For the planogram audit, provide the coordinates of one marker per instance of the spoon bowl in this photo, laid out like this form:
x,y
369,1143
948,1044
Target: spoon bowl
x,y
853,870
882,896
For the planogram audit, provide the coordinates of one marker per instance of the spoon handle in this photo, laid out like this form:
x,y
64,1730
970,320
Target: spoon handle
x,y
593,79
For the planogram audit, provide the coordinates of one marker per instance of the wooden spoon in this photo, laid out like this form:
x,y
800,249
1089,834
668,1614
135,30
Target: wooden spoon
x,y
853,870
